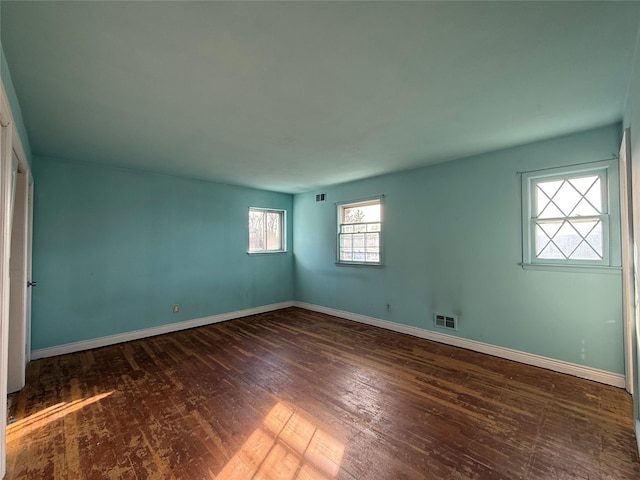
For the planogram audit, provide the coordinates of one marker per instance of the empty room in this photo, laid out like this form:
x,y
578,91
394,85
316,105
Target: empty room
x,y
319,240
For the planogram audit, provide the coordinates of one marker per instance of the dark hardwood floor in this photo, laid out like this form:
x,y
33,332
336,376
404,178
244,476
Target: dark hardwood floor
x,y
294,394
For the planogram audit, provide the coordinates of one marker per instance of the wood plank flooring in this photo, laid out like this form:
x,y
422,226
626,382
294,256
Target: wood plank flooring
x,y
294,394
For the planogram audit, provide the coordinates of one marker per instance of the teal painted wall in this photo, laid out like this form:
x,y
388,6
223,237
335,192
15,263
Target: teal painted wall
x,y
5,74
452,244
114,249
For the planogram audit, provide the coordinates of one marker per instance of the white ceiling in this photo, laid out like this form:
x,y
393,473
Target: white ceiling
x,y
292,96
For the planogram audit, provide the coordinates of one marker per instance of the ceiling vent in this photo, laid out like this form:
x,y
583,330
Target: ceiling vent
x,y
320,197
445,321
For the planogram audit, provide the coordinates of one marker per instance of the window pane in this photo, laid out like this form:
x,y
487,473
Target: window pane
x,y
372,257
585,208
580,239
594,195
544,247
358,241
591,246
550,251
573,197
584,184
550,188
567,239
361,213
550,228
544,195
358,256
596,240
584,226
372,240
346,241
585,252
548,209
274,230
256,230
567,198
346,255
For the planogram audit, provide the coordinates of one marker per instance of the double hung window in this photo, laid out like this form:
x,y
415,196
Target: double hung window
x,y
566,216
360,232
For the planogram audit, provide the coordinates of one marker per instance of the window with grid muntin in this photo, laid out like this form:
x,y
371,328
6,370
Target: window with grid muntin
x,y
569,218
360,232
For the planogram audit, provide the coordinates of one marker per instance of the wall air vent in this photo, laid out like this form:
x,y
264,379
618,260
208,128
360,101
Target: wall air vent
x,y
320,197
445,321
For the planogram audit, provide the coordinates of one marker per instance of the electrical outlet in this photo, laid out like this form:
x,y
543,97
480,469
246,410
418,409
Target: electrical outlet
x,y
388,307
176,308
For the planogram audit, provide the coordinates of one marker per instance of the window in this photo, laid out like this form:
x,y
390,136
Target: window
x,y
266,230
566,216
360,232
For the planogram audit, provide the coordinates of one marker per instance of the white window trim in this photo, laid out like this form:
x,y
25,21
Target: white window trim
x,y
284,232
529,179
361,201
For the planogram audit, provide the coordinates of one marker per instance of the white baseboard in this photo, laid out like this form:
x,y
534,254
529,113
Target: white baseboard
x,y
150,332
581,371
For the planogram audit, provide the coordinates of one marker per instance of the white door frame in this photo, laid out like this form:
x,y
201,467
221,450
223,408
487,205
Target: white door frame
x,y
10,145
18,290
29,233
19,349
628,284
6,127
632,333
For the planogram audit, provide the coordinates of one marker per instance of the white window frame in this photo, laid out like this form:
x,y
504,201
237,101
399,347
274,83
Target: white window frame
x,y
529,182
340,206
283,230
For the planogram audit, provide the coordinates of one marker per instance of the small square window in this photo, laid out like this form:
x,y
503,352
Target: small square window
x,y
266,230
566,216
360,232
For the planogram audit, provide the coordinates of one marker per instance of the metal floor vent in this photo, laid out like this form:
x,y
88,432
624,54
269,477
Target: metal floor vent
x,y
445,321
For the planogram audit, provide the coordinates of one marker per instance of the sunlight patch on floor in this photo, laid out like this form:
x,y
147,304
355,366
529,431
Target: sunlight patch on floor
x,y
25,426
286,447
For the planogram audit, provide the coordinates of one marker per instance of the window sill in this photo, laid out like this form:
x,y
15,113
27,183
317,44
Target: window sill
x,y
355,264
267,253
597,269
